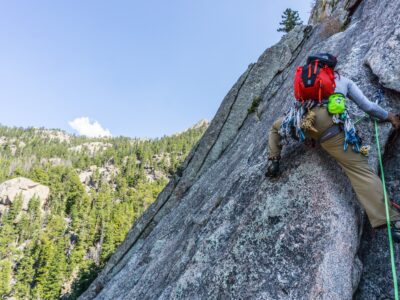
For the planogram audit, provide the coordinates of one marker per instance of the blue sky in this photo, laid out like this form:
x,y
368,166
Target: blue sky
x,y
138,68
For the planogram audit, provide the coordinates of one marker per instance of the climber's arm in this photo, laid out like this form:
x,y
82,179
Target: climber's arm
x,y
371,108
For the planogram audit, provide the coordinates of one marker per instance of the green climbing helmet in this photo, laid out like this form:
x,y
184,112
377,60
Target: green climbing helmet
x,y
337,103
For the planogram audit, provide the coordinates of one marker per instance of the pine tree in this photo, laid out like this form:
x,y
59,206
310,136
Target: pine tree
x,y
24,276
290,18
5,277
51,262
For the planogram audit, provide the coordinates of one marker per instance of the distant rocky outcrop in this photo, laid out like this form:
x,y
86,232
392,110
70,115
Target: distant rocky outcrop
x,y
25,187
221,230
154,175
103,174
54,135
200,124
12,144
56,161
91,147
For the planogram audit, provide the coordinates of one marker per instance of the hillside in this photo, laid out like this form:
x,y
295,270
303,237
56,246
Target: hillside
x,y
221,230
67,202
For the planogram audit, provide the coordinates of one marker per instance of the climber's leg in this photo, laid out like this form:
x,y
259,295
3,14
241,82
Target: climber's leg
x,y
274,141
365,182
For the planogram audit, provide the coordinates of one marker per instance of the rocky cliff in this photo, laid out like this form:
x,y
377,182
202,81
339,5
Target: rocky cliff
x,y
220,229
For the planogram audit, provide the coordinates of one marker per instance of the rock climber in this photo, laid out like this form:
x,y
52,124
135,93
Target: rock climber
x,y
320,114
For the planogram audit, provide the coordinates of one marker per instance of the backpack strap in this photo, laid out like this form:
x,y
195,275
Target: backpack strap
x,y
320,92
315,66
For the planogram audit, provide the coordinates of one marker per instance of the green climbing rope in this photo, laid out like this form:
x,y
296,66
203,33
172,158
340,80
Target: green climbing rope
x,y
396,288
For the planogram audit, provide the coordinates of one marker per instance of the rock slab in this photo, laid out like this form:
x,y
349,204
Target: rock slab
x,y
221,230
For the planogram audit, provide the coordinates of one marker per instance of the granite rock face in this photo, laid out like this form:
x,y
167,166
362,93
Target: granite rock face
x,y
383,57
221,230
341,10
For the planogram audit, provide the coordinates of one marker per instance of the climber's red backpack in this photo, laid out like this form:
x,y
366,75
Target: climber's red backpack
x,y
315,80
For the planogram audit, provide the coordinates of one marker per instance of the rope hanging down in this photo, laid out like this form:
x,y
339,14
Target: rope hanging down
x,y
396,288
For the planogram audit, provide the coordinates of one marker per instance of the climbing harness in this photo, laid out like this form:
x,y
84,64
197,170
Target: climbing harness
x,y
330,133
300,118
396,289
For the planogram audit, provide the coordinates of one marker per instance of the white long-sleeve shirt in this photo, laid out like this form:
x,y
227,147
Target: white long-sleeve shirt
x,y
348,88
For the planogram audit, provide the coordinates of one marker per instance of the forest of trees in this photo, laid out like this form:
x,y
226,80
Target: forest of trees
x,y
56,251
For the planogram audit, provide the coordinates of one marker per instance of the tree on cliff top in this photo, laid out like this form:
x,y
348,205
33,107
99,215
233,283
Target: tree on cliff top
x,y
290,18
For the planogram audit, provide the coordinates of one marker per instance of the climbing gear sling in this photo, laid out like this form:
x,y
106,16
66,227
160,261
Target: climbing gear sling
x,y
295,123
396,289
351,136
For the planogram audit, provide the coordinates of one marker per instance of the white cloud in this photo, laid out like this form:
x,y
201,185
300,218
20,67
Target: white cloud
x,y
90,129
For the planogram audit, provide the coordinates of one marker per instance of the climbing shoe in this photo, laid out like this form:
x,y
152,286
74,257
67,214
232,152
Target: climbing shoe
x,y
396,231
273,168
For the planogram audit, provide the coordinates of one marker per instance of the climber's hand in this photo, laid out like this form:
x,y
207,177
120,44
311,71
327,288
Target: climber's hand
x,y
395,120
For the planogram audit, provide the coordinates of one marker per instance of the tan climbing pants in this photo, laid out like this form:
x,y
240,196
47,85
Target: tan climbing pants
x,y
365,182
